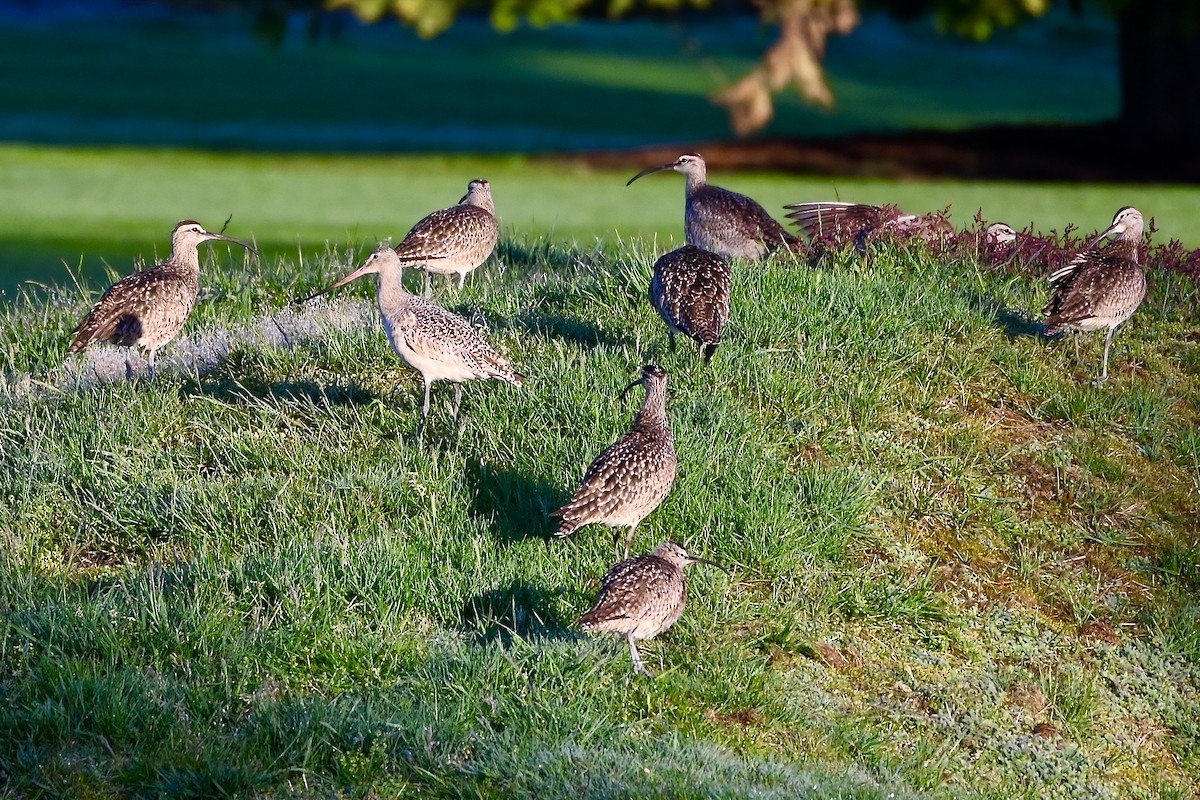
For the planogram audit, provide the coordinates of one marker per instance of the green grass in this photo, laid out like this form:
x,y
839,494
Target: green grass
x,y
111,208
251,581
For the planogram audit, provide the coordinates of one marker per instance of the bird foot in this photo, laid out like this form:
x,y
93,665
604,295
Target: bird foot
x,y
1099,382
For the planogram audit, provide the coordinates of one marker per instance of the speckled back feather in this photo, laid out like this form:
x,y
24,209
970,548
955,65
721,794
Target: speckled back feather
x,y
632,476
691,290
641,596
1098,289
147,308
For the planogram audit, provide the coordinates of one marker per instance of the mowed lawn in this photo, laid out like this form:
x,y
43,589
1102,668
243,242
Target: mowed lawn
x,y
72,207
957,568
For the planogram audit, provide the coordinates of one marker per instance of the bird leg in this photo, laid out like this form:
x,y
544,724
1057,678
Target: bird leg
x,y
671,334
153,353
424,413
628,541
1104,363
462,277
457,399
1075,341
428,285
128,367
639,666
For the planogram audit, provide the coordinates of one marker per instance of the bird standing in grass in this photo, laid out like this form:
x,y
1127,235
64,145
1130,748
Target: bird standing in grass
x,y
454,240
1099,288
441,345
724,222
691,290
642,596
148,309
633,475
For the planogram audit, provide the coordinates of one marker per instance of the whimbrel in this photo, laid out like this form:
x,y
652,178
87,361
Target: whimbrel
x,y
441,345
633,475
642,596
148,309
999,234
457,239
859,222
721,221
691,289
1099,288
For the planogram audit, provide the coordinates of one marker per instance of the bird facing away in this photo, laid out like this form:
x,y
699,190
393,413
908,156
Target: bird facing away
x,y
691,290
441,345
724,222
455,240
642,596
859,222
633,475
148,309
1099,288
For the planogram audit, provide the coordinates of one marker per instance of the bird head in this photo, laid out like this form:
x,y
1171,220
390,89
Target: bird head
x,y
690,164
479,193
651,373
674,553
385,261
189,233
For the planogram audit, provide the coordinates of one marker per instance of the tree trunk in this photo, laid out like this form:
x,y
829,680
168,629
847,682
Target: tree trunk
x,y
1160,79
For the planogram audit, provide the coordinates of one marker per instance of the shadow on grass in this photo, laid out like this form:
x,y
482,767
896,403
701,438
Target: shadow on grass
x,y
248,393
515,505
1014,322
567,329
518,610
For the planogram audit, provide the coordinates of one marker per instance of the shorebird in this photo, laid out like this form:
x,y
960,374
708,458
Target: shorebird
x,y
454,240
999,234
691,289
642,596
441,345
148,309
633,475
721,221
1099,288
860,221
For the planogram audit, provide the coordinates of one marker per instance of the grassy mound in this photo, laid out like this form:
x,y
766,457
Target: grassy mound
x,y
958,568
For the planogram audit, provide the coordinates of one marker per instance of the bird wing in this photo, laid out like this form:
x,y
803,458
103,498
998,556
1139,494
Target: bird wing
x,y
441,233
118,317
631,590
616,476
833,219
1102,284
442,335
753,221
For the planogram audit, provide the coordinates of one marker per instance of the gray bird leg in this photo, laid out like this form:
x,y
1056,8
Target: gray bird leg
x,y
153,353
1075,341
424,413
457,399
462,277
428,286
671,336
1104,364
639,666
628,541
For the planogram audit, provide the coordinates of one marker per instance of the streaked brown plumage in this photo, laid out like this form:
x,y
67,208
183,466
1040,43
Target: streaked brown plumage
x,y
724,222
1100,288
437,343
633,475
148,309
457,239
858,222
691,290
642,596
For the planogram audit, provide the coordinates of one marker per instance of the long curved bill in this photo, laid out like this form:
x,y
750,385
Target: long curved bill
x,y
650,171
625,391
225,238
1112,229
365,269
722,567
